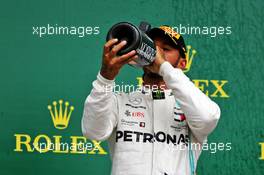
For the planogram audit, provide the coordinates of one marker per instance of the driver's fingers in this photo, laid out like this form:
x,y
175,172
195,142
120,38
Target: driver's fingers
x,y
122,59
131,59
108,45
118,47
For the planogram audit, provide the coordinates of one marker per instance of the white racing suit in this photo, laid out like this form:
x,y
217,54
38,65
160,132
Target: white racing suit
x,y
151,136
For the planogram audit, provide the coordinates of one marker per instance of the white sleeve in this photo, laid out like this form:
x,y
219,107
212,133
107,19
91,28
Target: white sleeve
x,y
202,114
100,110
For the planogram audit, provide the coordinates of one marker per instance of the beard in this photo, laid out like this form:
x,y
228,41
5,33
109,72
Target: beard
x,y
150,75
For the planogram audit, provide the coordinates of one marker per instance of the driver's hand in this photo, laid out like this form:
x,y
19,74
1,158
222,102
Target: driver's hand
x,y
112,63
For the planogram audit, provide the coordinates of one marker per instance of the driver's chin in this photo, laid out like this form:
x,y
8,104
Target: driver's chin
x,y
151,75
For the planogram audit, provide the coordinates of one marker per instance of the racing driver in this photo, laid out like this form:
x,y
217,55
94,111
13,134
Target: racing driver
x,y
150,132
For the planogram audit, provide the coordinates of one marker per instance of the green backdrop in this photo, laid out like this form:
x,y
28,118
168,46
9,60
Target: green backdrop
x,y
35,71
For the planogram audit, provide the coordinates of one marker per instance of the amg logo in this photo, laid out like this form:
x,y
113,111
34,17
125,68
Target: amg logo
x,y
135,136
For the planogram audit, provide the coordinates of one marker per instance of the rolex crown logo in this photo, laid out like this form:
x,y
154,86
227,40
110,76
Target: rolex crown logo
x,y
60,117
189,58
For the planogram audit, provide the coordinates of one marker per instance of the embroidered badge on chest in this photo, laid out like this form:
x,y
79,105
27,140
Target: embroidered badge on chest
x,y
179,120
179,117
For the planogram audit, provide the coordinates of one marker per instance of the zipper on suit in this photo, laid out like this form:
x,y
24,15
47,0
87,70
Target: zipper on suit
x,y
153,131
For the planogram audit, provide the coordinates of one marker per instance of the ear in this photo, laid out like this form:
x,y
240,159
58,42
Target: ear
x,y
182,63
